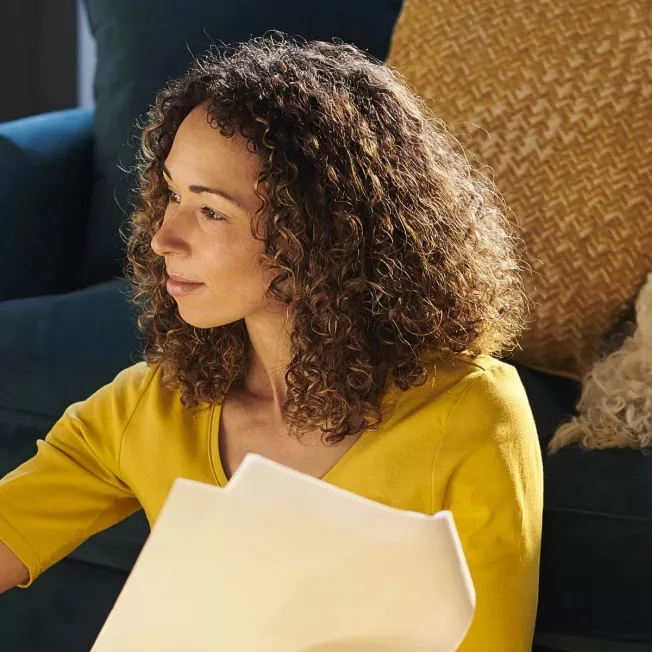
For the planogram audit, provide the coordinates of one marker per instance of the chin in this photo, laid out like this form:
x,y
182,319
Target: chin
x,y
202,320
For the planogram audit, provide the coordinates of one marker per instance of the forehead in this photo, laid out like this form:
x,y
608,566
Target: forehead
x,y
200,151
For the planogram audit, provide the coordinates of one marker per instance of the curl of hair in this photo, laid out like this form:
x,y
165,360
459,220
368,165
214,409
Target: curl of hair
x,y
386,243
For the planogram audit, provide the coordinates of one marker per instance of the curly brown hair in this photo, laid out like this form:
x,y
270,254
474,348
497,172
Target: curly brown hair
x,y
385,241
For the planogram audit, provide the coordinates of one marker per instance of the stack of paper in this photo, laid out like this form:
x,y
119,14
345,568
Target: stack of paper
x,y
282,562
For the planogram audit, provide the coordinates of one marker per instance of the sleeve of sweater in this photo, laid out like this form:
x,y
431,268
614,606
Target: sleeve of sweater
x,y
72,487
495,492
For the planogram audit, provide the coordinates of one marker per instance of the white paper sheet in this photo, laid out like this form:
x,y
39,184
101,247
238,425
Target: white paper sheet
x,y
281,562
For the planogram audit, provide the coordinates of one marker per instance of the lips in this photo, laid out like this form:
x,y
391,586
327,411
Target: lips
x,y
182,279
178,286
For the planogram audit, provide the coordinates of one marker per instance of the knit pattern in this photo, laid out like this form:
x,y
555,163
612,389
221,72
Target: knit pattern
x,y
553,99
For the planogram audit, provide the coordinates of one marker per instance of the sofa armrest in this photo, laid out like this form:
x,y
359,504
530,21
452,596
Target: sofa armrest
x,y
45,188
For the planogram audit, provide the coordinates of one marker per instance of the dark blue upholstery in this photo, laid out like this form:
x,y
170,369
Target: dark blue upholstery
x,y
45,191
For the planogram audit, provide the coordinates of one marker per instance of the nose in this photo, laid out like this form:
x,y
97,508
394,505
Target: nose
x,y
173,236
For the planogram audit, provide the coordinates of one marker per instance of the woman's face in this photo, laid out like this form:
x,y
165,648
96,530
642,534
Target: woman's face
x,y
210,254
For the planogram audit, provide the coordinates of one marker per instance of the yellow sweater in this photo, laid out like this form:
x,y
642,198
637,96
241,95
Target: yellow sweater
x,y
465,441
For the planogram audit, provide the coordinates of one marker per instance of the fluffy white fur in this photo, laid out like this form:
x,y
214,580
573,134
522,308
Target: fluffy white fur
x,y
616,404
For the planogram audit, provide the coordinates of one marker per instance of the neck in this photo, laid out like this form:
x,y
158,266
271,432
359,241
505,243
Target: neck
x,y
270,356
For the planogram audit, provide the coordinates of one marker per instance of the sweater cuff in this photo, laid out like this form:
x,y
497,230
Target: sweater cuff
x,y
17,545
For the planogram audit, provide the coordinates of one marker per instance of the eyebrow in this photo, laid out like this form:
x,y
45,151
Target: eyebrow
x,y
213,191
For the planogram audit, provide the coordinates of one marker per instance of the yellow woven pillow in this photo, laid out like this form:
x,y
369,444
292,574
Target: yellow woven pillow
x,y
556,98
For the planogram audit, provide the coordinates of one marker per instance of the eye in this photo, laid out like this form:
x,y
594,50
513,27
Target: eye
x,y
172,196
212,215
207,213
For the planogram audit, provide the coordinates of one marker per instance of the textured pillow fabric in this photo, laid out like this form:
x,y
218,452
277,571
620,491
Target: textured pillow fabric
x,y
556,98
140,45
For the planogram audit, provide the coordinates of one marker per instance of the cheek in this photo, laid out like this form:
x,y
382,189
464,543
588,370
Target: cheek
x,y
234,271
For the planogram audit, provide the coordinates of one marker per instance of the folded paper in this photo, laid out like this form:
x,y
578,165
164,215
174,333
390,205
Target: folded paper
x,y
281,562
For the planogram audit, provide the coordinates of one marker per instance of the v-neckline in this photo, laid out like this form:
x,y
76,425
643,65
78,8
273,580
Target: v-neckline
x,y
217,467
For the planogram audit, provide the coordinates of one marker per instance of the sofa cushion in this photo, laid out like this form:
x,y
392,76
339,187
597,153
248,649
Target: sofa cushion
x,y
62,612
596,577
59,349
45,164
140,45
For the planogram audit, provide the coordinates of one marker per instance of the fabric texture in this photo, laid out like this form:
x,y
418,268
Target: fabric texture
x,y
45,168
554,99
141,45
61,348
465,441
63,612
597,526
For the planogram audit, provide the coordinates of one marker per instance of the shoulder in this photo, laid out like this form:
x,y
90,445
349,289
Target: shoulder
x,y
117,400
136,379
471,399
132,384
467,369
490,410
487,383
144,388
459,381
466,398
137,403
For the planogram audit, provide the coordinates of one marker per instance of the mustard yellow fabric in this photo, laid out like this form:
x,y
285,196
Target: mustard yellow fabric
x,y
465,441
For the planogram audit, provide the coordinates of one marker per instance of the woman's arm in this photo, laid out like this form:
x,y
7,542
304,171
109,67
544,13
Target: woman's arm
x,y
495,492
12,570
72,488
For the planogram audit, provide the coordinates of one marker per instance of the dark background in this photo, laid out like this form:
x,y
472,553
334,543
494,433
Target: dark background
x,y
40,67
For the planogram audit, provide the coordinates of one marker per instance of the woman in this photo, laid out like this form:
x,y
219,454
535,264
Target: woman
x,y
324,281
